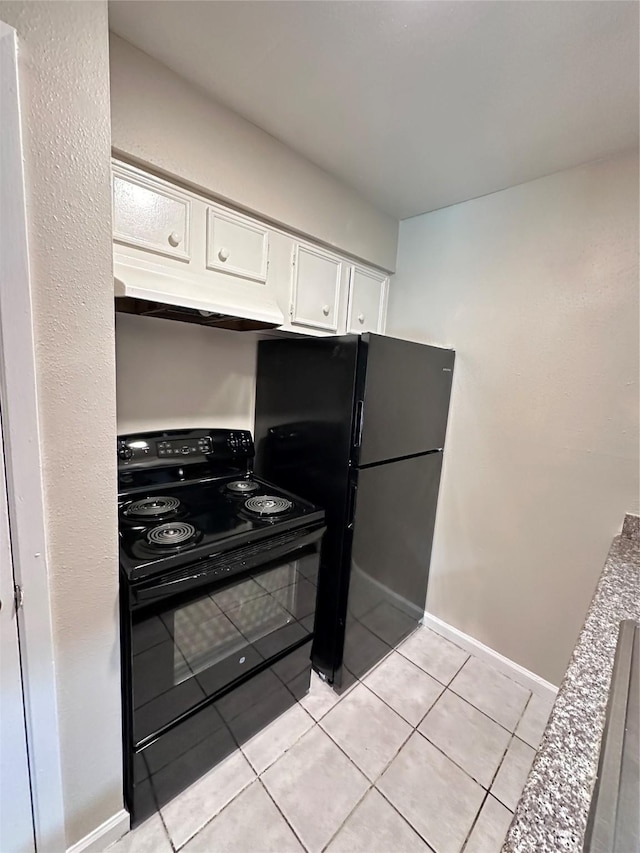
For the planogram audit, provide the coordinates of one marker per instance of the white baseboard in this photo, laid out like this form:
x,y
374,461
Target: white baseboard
x,y
104,835
508,667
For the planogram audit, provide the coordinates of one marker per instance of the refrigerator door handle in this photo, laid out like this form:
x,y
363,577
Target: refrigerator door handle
x,y
358,421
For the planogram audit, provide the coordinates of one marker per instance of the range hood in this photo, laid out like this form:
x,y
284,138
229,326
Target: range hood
x,y
236,304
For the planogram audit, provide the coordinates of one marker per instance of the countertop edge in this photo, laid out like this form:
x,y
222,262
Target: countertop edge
x,y
552,811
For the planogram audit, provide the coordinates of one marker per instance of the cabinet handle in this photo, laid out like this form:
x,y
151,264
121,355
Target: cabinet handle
x,y
174,239
360,318
325,310
223,254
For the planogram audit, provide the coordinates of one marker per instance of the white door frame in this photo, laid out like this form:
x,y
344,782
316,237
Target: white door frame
x,y
23,467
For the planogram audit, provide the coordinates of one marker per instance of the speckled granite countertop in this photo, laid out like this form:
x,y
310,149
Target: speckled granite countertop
x,y
552,813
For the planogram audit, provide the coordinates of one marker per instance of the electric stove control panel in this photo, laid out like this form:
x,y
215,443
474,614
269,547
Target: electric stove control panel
x,y
179,446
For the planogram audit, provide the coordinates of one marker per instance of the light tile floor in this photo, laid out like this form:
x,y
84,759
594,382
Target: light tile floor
x,y
429,752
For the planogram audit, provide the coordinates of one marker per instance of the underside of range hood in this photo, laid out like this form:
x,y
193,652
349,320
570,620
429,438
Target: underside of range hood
x,y
147,308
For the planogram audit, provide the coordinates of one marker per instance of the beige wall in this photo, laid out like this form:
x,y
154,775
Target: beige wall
x,y
65,96
161,120
173,375
536,287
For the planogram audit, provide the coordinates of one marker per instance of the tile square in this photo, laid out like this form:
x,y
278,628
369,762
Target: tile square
x,y
320,698
488,835
275,739
190,810
149,837
534,720
315,786
467,736
367,730
408,689
513,773
433,654
250,823
437,798
491,692
376,827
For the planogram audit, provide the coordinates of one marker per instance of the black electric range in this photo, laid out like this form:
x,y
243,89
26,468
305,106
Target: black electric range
x,y
184,524
218,574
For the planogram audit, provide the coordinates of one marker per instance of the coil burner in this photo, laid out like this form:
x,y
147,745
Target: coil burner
x,y
156,507
242,487
172,535
267,506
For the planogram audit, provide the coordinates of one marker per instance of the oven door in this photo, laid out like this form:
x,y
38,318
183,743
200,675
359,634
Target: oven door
x,y
189,648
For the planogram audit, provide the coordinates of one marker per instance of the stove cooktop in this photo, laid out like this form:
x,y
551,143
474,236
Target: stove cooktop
x,y
176,525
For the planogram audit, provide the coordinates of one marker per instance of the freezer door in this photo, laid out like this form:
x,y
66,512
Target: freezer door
x,y
405,388
304,405
393,533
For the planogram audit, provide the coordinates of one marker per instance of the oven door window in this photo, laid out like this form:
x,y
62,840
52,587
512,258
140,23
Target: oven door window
x,y
185,653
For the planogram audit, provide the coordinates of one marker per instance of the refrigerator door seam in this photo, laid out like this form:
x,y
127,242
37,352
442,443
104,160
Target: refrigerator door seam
x,y
399,458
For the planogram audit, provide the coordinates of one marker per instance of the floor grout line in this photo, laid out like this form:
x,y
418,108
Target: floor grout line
x,y
213,817
415,663
403,816
282,814
479,710
488,792
435,701
395,755
360,800
164,825
489,789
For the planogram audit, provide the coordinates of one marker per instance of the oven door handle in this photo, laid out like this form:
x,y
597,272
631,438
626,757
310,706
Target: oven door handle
x,y
154,590
172,587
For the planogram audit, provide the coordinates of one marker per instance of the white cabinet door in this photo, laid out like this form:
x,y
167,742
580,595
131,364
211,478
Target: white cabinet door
x,y
236,245
367,300
149,215
316,288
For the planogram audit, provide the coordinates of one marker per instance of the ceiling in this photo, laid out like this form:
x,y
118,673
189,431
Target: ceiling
x,y
417,104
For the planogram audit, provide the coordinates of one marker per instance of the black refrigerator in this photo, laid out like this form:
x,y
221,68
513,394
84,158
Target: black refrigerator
x,y
357,425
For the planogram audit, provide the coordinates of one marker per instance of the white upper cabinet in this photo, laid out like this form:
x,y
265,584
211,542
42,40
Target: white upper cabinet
x,y
367,300
317,283
174,247
236,244
150,215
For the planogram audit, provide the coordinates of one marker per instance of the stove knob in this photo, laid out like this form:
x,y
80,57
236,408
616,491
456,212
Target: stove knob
x,y
125,453
184,449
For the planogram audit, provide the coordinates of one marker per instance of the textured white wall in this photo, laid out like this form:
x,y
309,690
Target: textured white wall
x,y
161,120
63,50
536,287
173,375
